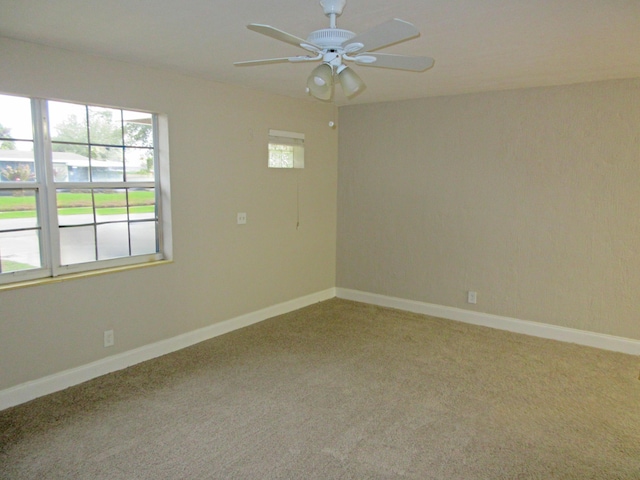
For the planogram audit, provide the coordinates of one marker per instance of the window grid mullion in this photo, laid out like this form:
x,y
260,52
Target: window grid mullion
x,y
95,224
47,212
124,152
35,185
89,152
158,183
103,185
126,196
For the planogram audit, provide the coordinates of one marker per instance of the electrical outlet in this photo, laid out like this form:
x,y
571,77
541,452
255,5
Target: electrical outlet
x,y
242,218
472,297
108,338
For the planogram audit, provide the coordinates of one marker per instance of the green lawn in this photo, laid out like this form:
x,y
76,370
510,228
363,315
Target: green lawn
x,y
9,266
74,203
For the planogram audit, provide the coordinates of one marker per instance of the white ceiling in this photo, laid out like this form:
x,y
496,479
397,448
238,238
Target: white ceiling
x,y
478,45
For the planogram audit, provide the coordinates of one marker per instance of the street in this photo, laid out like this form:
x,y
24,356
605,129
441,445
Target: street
x,y
78,243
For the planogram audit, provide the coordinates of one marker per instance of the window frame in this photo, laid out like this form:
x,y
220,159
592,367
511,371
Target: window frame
x,y
46,188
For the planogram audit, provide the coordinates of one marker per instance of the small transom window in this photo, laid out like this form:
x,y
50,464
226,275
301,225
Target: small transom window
x,y
286,149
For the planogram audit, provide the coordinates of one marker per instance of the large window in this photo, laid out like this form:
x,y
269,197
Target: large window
x,y
79,188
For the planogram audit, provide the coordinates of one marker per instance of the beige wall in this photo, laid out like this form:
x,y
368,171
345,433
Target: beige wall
x,y
530,197
218,168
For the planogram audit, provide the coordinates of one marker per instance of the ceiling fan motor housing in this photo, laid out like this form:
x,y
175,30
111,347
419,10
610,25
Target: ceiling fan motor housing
x,y
330,37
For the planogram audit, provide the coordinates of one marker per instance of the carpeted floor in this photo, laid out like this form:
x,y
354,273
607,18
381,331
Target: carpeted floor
x,y
342,390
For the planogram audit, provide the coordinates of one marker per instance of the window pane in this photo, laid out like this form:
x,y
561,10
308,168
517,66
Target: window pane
x,y
68,123
110,205
19,231
77,245
17,164
139,164
16,157
18,209
113,240
70,163
19,250
107,164
105,126
75,207
143,238
15,121
142,204
138,129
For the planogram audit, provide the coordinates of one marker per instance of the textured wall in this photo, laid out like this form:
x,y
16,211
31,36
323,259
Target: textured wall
x,y
530,197
218,146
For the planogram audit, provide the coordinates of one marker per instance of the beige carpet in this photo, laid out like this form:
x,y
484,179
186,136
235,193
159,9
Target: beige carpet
x,y
342,390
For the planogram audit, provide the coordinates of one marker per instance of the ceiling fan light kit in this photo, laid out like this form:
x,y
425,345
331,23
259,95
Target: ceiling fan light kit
x,y
333,46
351,83
320,82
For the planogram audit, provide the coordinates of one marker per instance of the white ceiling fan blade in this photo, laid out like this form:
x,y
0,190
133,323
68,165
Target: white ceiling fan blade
x,y
399,62
387,33
283,36
266,61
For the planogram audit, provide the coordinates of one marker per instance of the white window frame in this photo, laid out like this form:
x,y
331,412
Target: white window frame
x,y
47,214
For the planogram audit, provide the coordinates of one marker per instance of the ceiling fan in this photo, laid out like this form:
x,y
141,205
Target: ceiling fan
x,y
334,46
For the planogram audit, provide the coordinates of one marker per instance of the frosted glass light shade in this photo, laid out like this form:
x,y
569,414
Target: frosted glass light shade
x,y
350,81
320,82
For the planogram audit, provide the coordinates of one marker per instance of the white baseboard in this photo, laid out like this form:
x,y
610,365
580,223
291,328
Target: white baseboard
x,y
581,337
59,381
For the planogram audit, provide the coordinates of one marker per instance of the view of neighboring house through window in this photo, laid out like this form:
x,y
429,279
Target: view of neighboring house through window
x,y
79,188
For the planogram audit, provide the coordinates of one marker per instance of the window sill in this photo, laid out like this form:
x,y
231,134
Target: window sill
x,y
73,276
